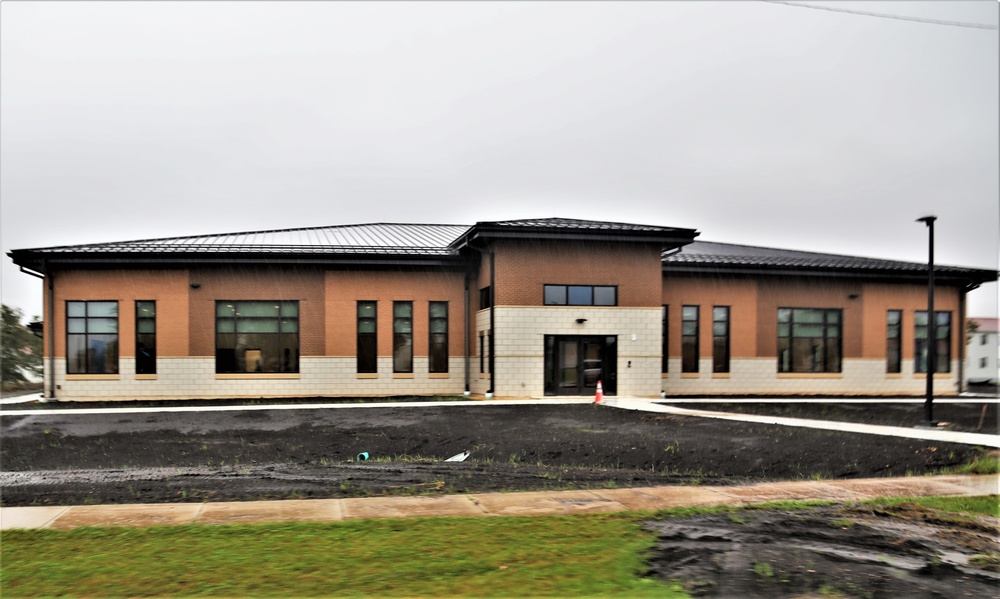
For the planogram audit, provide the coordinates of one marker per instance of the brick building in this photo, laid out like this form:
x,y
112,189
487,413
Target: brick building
x,y
526,308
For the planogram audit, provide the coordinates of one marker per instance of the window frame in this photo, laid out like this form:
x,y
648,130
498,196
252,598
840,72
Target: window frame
x,y
283,365
366,354
919,357
664,338
402,341
89,358
893,342
437,340
566,291
720,363
830,364
690,353
145,364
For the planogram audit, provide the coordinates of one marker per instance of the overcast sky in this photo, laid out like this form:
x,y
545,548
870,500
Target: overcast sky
x,y
754,122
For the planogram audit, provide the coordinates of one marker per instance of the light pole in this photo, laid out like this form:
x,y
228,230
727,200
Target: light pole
x,y
931,325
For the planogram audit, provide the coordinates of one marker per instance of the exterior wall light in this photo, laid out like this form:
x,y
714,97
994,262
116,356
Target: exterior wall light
x,y
581,320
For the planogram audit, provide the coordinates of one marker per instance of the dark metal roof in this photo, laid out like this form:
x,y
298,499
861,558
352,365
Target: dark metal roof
x,y
571,223
379,238
709,255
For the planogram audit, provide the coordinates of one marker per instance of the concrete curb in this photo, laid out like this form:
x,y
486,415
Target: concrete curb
x,y
487,504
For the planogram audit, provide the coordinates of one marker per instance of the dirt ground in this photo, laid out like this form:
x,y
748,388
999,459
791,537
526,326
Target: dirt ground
x,y
301,453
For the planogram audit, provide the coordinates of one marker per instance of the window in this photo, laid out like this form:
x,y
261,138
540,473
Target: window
x,y
663,339
720,339
482,354
438,332
367,340
689,338
402,337
256,336
982,362
942,334
893,341
145,337
580,295
91,337
809,340
982,339
485,298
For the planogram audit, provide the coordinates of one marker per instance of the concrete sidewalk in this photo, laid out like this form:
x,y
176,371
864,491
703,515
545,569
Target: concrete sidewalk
x,y
489,504
926,434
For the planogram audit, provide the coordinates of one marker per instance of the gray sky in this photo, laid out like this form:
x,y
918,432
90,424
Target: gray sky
x,y
753,122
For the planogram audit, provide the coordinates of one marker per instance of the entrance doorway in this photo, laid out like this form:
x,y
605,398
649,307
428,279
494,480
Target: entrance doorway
x,y
574,364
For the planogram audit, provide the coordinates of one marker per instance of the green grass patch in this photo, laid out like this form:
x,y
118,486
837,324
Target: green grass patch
x,y
985,505
510,556
988,463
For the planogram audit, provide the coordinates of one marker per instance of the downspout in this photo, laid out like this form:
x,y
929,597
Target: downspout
x,y
49,276
962,341
468,336
493,332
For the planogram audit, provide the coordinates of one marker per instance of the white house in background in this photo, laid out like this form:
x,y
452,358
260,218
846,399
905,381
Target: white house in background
x,y
984,352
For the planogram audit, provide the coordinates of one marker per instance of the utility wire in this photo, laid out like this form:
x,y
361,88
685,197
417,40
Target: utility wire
x,y
885,16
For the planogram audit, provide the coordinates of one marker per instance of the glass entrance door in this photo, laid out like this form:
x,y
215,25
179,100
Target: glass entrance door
x,y
574,364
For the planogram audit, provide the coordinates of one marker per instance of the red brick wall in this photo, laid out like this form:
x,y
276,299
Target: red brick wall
x,y
345,288
169,288
257,283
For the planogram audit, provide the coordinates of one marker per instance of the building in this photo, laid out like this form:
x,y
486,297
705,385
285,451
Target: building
x,y
522,308
983,361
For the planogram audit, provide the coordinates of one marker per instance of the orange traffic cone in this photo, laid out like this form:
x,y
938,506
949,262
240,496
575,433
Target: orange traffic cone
x,y
599,396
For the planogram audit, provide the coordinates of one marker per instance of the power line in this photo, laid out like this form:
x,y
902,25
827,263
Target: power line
x,y
885,16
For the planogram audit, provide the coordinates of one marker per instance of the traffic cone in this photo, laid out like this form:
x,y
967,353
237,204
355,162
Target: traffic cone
x,y
599,396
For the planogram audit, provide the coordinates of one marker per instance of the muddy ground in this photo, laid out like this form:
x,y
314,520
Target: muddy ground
x,y
50,459
838,551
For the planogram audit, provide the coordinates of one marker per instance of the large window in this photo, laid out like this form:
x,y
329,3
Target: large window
x,y
145,337
663,339
91,337
809,340
402,337
367,337
438,333
893,341
256,336
720,339
689,338
580,295
942,333
485,298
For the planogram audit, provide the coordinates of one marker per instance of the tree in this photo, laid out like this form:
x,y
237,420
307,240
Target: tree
x,y
22,350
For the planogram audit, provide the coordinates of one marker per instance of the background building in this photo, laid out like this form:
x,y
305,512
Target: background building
x,y
983,361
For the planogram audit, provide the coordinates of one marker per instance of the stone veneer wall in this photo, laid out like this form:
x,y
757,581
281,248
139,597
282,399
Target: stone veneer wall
x,y
520,345
195,378
759,376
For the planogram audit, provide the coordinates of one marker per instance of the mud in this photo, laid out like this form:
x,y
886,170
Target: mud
x,y
835,551
300,453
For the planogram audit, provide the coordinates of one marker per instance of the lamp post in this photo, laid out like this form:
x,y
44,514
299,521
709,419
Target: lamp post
x,y
931,324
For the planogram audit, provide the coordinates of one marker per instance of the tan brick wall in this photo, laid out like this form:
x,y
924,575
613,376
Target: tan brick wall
x,y
257,283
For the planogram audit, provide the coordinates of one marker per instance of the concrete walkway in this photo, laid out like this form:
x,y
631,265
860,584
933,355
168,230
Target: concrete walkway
x,y
926,434
488,504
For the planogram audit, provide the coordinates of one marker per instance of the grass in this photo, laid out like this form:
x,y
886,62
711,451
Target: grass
x,y
585,555
985,505
988,463
511,556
